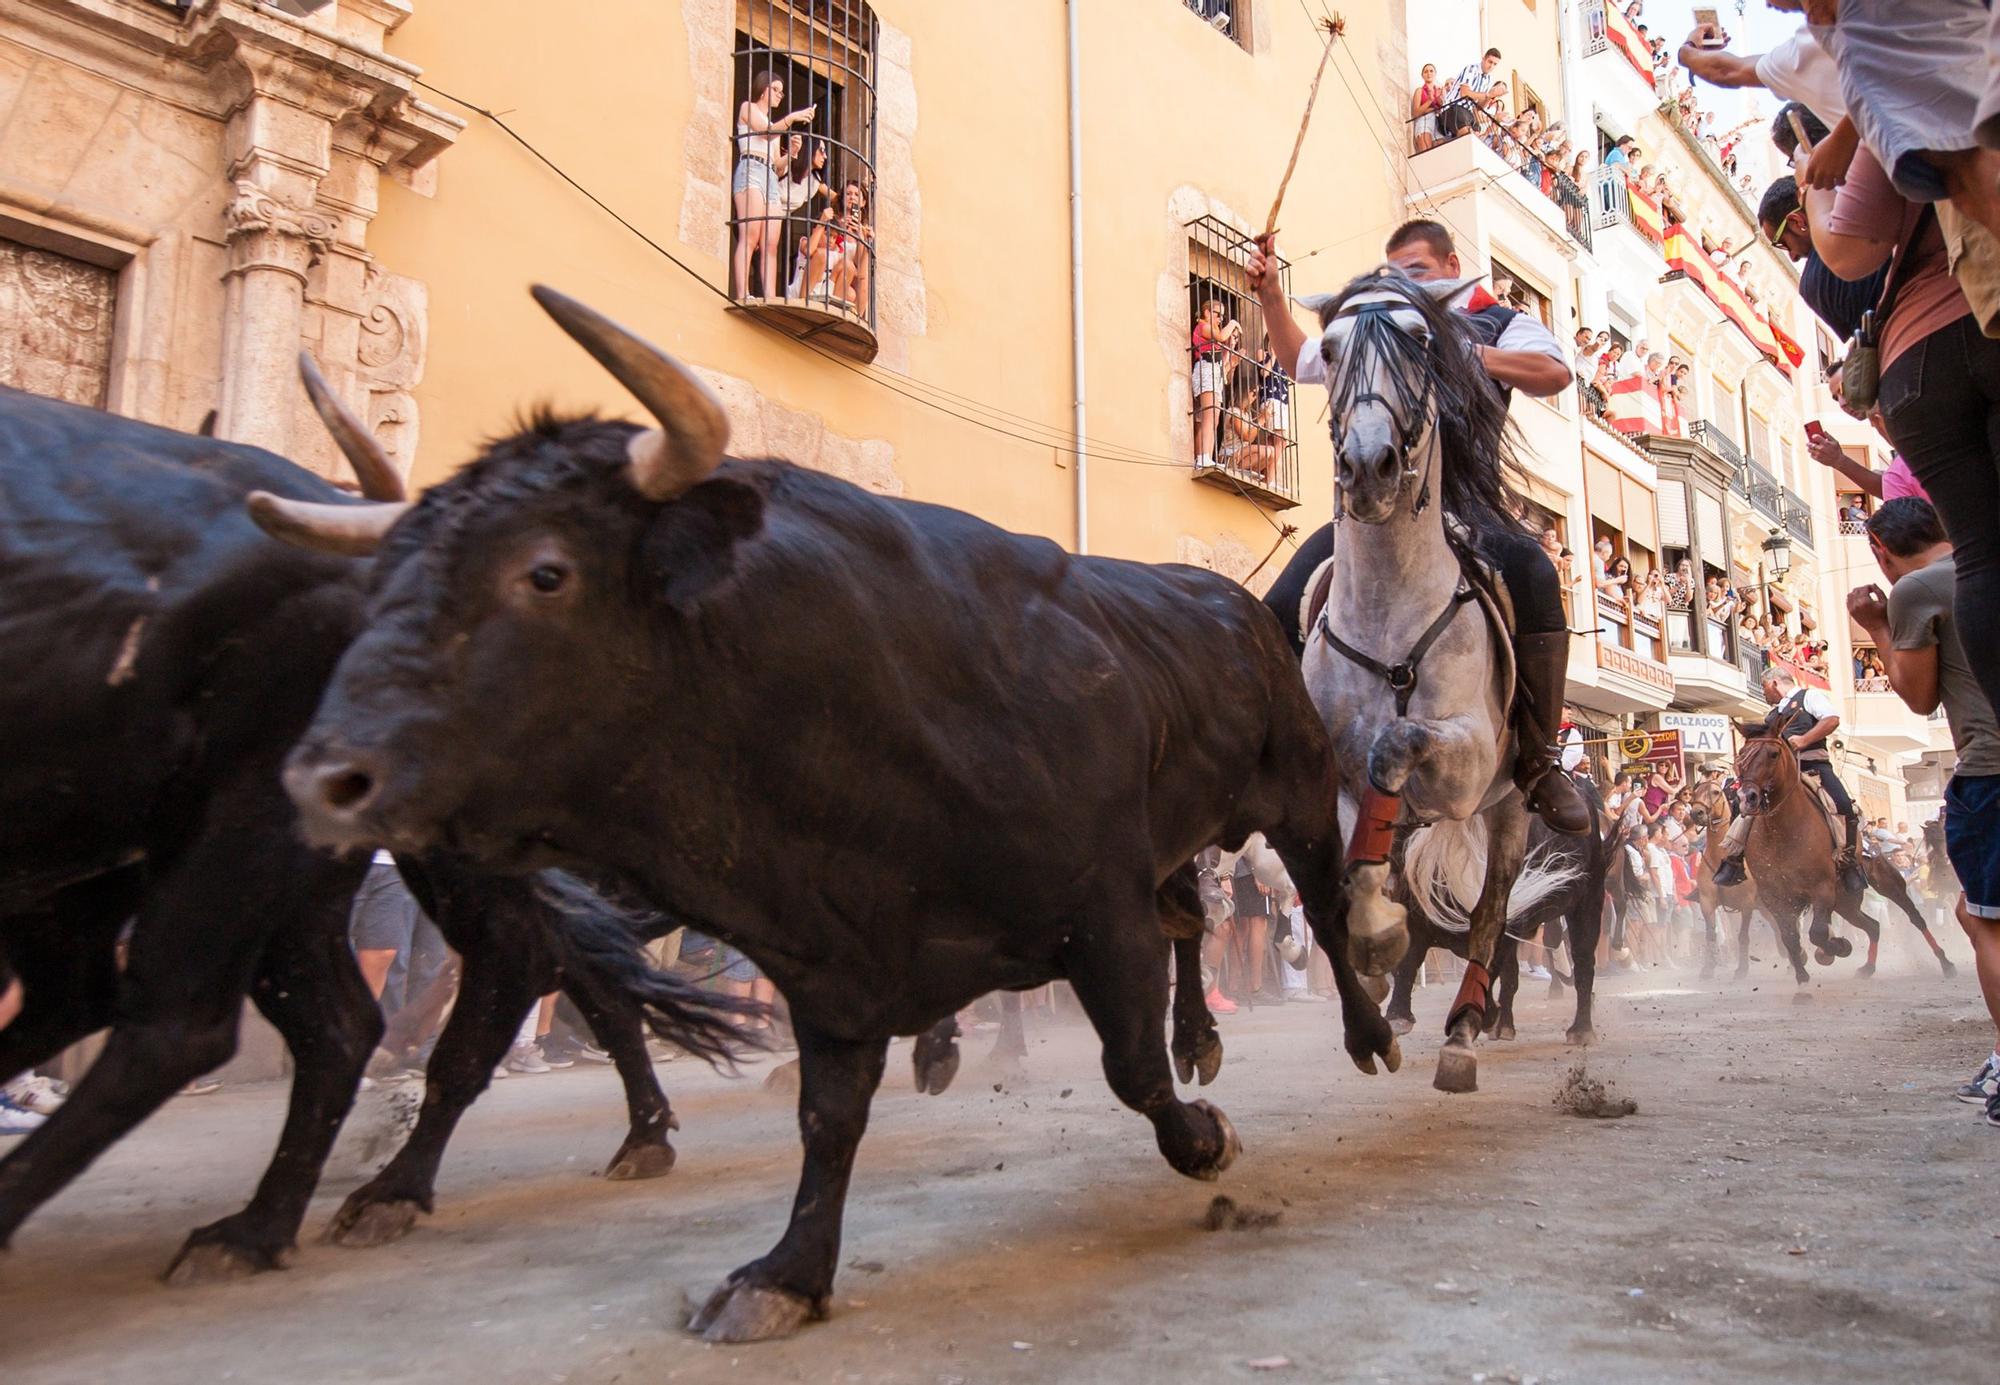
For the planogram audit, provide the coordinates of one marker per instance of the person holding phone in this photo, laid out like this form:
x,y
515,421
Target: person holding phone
x,y
756,189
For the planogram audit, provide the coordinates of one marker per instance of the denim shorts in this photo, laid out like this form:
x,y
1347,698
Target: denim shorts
x,y
1972,840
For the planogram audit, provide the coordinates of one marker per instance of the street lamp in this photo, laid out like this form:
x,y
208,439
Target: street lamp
x,y
1778,553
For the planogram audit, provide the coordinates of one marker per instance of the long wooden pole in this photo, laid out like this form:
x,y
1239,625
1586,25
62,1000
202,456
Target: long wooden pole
x,y
1334,28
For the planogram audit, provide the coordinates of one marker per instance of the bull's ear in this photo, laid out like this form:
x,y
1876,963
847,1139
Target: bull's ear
x,y
1318,304
691,545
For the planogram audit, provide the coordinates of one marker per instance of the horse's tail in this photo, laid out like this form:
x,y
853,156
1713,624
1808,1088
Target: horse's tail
x,y
1444,869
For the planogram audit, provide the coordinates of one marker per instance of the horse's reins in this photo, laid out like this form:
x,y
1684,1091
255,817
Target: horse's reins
x,y
1771,806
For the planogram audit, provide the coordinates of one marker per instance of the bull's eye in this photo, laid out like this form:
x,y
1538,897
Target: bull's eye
x,y
548,579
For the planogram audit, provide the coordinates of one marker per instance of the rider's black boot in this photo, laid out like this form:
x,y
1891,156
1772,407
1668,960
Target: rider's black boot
x,y
1852,878
1541,662
1731,871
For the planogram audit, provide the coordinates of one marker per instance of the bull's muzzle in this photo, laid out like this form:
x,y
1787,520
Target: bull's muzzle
x,y
334,790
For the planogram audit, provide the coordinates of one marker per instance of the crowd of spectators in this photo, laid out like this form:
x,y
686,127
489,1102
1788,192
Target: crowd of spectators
x,y
799,228
1242,401
1475,103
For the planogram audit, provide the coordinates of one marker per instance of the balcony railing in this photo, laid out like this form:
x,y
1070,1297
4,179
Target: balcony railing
x,y
1711,435
1762,489
1458,120
1245,431
1605,26
1854,528
1615,202
1798,517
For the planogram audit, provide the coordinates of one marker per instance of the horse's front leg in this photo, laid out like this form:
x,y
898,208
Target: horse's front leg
x,y
1506,847
1378,926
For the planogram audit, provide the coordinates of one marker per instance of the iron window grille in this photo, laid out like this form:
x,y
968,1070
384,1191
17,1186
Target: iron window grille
x,y
802,229
1230,18
1243,398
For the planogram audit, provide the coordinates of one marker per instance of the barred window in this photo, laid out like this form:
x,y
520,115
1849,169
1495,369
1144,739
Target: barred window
x,y
802,190
1230,18
1245,433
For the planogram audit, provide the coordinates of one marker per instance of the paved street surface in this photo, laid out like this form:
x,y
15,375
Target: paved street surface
x,y
1797,1199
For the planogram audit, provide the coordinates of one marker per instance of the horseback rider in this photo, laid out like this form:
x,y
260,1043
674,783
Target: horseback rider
x,y
1517,352
1806,717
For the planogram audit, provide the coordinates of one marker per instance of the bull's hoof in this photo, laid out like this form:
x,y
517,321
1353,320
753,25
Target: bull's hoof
x,y
1208,1057
1402,1024
1580,1038
1393,1058
636,1161
1504,1032
219,1262
1376,954
1231,1145
935,1065
740,1312
783,1079
365,1225
1457,1069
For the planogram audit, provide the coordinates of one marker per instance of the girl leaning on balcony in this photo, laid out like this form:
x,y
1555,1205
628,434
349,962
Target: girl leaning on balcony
x,y
755,188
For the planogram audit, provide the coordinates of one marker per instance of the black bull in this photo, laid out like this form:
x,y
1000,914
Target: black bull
x,y
896,755
158,658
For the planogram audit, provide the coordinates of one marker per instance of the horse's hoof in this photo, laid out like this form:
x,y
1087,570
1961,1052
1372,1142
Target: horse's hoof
x,y
934,1069
1580,1038
218,1262
1865,969
1840,947
637,1161
1231,1145
1402,1024
742,1312
1504,1033
1457,1069
1823,956
1949,970
366,1225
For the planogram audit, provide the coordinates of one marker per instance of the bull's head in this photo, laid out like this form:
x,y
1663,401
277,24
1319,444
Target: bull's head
x,y
532,576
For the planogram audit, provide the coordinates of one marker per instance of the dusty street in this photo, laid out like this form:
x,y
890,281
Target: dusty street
x,y
1797,1199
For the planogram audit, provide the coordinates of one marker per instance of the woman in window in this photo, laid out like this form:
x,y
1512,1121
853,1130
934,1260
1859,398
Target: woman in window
x,y
1424,104
1616,584
1651,601
1680,587
856,241
1245,444
1212,341
758,196
803,190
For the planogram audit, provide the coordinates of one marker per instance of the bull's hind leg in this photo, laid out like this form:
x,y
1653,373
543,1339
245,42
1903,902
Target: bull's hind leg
x,y
1500,1017
1402,1019
619,1026
1197,1047
65,957
1506,847
1585,927
311,991
934,1056
774,1295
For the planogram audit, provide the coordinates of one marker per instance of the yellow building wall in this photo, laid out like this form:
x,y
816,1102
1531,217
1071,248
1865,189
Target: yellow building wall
x,y
606,91
1525,33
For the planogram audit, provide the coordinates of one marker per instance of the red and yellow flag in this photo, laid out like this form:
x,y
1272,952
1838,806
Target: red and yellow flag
x,y
1620,31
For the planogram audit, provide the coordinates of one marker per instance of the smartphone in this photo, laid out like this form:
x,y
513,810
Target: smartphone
x,y
1713,19
1798,130
1814,431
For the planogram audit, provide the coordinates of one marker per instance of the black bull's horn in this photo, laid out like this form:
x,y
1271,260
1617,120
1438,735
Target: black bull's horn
x,y
666,461
693,430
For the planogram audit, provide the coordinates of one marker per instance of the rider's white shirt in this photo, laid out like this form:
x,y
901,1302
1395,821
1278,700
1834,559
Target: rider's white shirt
x,y
1817,704
1524,333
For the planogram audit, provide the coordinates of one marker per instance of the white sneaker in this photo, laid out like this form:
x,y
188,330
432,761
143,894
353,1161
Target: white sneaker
x,y
36,1093
526,1059
16,1119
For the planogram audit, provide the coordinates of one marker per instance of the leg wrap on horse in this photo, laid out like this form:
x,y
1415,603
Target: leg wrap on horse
x,y
1473,995
1374,827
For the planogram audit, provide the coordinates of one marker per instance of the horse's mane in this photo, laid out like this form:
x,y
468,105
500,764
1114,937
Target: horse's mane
x,y
1478,443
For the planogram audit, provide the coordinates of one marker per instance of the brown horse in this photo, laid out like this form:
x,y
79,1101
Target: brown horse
x,y
1887,881
1708,808
1790,856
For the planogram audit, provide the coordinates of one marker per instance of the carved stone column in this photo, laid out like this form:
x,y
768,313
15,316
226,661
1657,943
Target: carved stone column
x,y
272,247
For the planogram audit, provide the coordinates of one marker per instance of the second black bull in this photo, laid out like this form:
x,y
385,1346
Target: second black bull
x,y
898,756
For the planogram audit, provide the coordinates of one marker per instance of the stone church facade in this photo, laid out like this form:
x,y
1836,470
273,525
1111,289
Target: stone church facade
x,y
186,190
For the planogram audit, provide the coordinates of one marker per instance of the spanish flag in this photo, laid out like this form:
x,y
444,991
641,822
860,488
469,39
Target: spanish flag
x,y
1684,253
1647,218
1620,31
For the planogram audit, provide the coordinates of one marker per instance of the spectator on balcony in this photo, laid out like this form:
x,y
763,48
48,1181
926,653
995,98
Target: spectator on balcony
x,y
1615,585
1216,335
1274,393
1425,102
1247,446
1602,552
1552,543
755,189
1680,586
1471,95
1891,483
1651,601
803,190
1634,10
1620,154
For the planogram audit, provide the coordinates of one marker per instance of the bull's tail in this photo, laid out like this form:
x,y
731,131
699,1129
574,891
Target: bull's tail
x,y
600,939
1444,870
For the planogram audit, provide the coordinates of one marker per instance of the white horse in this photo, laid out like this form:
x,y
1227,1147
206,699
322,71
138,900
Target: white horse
x,y
1406,661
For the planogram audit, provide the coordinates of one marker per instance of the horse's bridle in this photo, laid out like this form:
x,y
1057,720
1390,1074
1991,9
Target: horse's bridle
x,y
1375,332
1785,752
